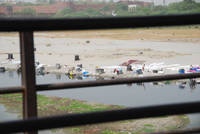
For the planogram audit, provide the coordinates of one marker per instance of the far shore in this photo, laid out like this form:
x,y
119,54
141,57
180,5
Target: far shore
x,y
97,48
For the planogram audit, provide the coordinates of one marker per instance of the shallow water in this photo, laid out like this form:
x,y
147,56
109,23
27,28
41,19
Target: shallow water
x,y
127,95
5,115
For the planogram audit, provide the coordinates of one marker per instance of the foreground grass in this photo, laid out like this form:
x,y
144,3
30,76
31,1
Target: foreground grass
x,y
54,105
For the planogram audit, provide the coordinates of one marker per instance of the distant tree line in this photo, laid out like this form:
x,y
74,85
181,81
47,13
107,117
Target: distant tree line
x,y
121,9
118,9
26,12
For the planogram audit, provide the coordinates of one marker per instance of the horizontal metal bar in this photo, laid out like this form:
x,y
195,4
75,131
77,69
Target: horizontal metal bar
x,y
44,24
44,87
10,90
184,131
116,81
69,120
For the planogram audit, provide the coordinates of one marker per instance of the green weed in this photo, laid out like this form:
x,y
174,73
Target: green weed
x,y
148,125
109,132
76,129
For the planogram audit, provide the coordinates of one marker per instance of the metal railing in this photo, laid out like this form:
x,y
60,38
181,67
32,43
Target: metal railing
x,y
31,123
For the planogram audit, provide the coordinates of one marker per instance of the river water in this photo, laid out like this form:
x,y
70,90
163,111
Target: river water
x,y
127,95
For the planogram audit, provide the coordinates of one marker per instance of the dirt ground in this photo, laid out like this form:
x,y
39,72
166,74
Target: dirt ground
x,y
110,47
187,33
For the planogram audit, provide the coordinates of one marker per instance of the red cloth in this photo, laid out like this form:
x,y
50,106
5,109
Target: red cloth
x,y
128,62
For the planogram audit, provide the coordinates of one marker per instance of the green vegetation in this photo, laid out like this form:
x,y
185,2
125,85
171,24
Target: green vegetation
x,y
54,105
184,7
110,132
68,12
76,129
171,128
148,130
184,118
121,9
26,12
13,97
148,125
142,130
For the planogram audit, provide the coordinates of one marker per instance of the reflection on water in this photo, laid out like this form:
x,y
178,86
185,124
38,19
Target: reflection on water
x,y
11,74
161,92
134,95
58,76
192,84
6,115
10,78
194,120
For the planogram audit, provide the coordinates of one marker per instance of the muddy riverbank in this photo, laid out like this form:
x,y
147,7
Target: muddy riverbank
x,y
54,105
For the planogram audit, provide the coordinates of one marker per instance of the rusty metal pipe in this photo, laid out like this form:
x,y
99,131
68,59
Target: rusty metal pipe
x,y
10,90
28,76
46,24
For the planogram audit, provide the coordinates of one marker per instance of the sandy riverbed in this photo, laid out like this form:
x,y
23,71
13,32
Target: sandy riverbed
x,y
105,51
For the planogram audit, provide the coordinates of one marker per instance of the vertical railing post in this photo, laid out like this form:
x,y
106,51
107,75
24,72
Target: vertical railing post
x,y
28,76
